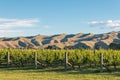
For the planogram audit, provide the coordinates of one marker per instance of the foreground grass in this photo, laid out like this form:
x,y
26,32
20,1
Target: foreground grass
x,y
55,74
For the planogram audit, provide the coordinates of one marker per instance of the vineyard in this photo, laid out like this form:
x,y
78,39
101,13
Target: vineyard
x,y
77,59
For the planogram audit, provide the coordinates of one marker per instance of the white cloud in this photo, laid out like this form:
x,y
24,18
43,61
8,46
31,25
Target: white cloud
x,y
6,19
9,27
10,23
108,23
9,31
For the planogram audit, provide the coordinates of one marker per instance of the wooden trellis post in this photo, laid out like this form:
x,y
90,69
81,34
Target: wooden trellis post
x,y
101,62
66,59
35,60
8,59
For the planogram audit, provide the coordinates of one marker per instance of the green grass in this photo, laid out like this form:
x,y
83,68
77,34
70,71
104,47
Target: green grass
x,y
55,74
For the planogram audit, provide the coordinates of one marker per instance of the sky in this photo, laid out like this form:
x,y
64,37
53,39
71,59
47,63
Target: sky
x,y
49,17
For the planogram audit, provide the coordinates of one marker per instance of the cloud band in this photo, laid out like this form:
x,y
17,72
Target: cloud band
x,y
108,23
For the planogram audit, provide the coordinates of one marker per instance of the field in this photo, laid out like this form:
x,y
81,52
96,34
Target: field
x,y
74,59
55,74
80,64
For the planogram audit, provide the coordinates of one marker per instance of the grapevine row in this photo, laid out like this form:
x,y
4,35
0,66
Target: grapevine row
x,y
78,58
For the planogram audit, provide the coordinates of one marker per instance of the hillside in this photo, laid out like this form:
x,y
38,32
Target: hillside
x,y
61,41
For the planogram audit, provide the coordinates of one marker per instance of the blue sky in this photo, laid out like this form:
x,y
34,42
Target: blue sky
x,y
48,17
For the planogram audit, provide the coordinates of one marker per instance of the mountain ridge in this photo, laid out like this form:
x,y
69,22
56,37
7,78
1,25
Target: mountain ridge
x,y
79,40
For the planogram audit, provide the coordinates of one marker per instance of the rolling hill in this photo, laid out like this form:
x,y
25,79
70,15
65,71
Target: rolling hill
x,y
88,40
